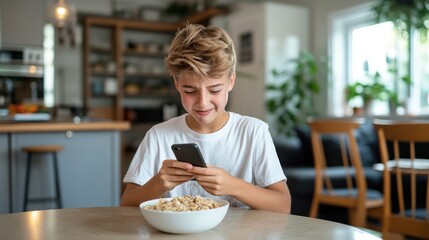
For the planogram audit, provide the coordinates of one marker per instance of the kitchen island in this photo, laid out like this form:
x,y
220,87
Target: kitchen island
x,y
89,165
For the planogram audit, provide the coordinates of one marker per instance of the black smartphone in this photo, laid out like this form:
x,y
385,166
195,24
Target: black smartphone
x,y
189,152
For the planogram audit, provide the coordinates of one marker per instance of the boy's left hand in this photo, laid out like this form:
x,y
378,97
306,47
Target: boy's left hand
x,y
215,181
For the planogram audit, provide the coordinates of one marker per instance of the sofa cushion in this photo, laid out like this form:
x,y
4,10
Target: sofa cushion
x,y
367,141
345,192
330,144
303,134
289,151
365,136
300,181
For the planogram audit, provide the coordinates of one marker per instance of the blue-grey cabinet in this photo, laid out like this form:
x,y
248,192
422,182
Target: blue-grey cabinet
x,y
89,169
4,180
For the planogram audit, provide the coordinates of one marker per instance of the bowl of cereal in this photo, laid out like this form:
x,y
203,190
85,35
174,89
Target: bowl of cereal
x,y
184,215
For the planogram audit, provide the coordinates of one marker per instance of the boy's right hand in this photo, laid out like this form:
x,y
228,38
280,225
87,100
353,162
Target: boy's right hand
x,y
173,173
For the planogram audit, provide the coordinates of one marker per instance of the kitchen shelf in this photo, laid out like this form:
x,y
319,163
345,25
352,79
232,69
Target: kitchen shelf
x,y
147,75
103,74
131,52
101,50
112,56
157,93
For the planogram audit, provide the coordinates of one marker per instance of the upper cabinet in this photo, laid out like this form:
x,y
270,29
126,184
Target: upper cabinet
x,y
22,23
124,71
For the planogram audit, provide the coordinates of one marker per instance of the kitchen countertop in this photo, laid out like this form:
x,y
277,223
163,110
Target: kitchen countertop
x,y
55,125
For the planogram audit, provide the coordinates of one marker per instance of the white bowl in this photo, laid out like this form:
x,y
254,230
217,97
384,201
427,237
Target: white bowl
x,y
184,222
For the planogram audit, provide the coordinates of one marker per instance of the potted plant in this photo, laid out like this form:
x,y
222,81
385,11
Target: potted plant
x,y
368,92
290,99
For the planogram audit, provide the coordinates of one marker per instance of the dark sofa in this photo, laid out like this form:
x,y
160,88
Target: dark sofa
x,y
296,157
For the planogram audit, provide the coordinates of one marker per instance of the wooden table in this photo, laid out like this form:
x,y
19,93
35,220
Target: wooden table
x,y
128,223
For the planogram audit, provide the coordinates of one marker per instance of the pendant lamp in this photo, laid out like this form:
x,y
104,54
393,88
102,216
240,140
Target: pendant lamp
x,y
63,13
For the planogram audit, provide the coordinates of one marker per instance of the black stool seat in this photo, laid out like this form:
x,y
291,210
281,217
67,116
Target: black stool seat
x,y
42,149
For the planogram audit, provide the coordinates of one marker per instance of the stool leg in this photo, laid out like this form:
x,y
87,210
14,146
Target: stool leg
x,y
27,180
57,181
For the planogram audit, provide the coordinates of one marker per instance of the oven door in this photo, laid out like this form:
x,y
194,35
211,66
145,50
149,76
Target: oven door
x,y
15,90
21,77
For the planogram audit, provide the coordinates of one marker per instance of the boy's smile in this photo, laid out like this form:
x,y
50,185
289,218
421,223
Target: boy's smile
x,y
205,100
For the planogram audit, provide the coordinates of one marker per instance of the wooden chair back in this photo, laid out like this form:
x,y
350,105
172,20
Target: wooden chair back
x,y
354,195
402,165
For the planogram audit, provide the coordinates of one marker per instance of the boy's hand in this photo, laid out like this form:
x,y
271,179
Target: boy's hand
x,y
215,181
173,173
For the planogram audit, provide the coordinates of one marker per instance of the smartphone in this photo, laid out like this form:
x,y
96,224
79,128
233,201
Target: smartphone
x,y
189,152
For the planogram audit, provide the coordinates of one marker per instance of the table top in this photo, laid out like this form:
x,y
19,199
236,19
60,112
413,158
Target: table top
x,y
128,223
407,165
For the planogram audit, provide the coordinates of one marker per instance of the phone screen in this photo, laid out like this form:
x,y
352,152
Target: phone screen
x,y
189,152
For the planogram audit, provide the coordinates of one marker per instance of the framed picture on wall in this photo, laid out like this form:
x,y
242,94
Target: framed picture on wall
x,y
246,47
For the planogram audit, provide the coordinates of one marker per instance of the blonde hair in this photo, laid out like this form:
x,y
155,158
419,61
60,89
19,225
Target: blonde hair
x,y
205,51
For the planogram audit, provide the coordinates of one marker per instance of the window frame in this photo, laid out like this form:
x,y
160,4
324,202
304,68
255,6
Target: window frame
x,y
341,25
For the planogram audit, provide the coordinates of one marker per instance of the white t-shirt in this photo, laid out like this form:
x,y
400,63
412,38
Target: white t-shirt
x,y
243,147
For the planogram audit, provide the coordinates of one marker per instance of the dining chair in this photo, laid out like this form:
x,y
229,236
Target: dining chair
x,y
353,193
403,171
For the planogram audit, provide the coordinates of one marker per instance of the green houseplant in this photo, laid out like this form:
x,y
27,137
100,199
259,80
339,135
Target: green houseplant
x,y
290,99
368,92
406,16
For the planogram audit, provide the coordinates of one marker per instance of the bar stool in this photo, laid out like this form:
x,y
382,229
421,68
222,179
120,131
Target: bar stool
x,y
45,149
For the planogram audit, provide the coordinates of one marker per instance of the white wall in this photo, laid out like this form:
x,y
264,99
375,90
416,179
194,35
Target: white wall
x,y
276,39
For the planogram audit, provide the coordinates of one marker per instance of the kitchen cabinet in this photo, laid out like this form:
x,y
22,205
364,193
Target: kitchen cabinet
x,y
22,23
124,72
266,36
4,179
89,169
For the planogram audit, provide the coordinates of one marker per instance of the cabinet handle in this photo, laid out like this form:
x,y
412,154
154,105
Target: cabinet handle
x,y
69,134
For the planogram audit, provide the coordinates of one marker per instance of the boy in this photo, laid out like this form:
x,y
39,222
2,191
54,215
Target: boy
x,y
243,165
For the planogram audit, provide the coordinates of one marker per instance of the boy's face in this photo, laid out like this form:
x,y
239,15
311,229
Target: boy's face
x,y
205,100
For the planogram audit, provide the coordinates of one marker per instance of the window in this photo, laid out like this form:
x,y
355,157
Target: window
x,y
48,58
360,48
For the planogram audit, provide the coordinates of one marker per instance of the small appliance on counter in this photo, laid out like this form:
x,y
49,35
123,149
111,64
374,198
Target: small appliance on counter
x,y
21,76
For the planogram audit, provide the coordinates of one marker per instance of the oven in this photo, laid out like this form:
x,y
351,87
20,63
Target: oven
x,y
21,76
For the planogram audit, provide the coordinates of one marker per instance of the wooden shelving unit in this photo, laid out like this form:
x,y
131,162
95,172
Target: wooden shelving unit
x,y
117,55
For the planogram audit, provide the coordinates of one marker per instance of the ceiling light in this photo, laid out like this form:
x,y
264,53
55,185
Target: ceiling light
x,y
62,13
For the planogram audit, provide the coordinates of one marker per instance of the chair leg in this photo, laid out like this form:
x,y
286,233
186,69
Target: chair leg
x,y
393,236
375,214
27,181
357,217
314,207
57,181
